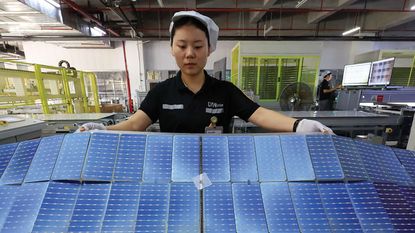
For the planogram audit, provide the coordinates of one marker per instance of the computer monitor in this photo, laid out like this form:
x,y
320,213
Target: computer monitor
x,y
381,72
356,74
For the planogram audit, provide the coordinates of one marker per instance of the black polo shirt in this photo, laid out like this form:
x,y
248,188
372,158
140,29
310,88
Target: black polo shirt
x,y
324,85
180,110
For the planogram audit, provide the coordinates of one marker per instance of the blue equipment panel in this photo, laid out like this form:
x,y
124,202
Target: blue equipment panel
x,y
215,157
184,212
279,208
308,207
249,209
186,156
122,205
218,209
44,160
242,158
7,194
130,157
369,208
6,152
153,208
324,157
349,158
90,207
157,165
407,159
339,208
409,194
269,158
56,209
71,157
20,162
297,159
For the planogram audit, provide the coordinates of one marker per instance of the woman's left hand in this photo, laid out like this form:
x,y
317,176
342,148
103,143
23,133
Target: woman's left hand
x,y
310,126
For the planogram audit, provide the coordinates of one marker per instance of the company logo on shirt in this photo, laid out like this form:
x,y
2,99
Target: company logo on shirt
x,y
214,108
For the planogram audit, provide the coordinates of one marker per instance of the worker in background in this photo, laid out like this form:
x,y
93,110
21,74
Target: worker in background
x,y
327,94
187,102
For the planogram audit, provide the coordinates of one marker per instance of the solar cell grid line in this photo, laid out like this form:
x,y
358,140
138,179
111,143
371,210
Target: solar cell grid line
x,y
153,208
324,157
6,152
297,159
100,159
20,162
249,209
184,208
407,159
186,157
339,207
130,157
158,158
89,210
44,159
368,207
121,212
71,157
242,158
218,209
409,193
215,158
57,206
269,158
308,207
399,211
7,194
279,209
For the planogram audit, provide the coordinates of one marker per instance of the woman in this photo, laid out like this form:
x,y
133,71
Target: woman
x,y
187,102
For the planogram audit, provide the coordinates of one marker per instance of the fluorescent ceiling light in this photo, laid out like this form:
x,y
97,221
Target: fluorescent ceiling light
x,y
413,7
99,30
20,13
53,3
28,23
300,3
351,31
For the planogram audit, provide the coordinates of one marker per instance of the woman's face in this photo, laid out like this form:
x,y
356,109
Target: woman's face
x,y
190,49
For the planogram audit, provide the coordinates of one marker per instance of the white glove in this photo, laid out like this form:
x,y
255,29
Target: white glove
x,y
310,126
91,126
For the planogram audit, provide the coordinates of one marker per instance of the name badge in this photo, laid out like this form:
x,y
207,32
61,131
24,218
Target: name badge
x,y
172,106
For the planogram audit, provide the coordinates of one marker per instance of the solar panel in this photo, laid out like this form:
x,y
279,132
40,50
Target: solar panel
x,y
186,156
7,194
71,157
44,159
218,209
279,208
349,158
308,207
242,158
101,156
157,163
249,210
184,212
6,152
407,159
296,158
269,158
56,209
409,193
130,157
20,162
324,157
215,157
339,208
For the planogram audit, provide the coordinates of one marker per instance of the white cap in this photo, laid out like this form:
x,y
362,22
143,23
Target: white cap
x,y
211,26
325,73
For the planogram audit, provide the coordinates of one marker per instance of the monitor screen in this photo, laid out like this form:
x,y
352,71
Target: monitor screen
x,y
356,74
381,71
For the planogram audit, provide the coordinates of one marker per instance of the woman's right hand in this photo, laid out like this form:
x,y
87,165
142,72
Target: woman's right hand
x,y
91,126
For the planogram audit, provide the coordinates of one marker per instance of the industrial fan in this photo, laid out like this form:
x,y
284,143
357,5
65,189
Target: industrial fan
x,y
296,97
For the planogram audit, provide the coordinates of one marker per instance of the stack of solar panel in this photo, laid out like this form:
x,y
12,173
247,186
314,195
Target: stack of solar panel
x,y
109,182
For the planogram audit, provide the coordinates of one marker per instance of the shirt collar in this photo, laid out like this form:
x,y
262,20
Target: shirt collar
x,y
181,87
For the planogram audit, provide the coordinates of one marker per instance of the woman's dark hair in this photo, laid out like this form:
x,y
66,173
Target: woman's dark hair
x,y
189,21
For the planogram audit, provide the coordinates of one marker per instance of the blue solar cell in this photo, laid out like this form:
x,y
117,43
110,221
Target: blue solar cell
x,y
7,194
242,158
308,207
89,209
409,193
249,209
184,212
407,159
216,158
157,164
20,162
153,208
6,152
269,158
186,156
349,158
369,208
101,156
218,208
324,157
297,159
121,212
279,208
56,209
339,208
130,157
44,159
71,157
